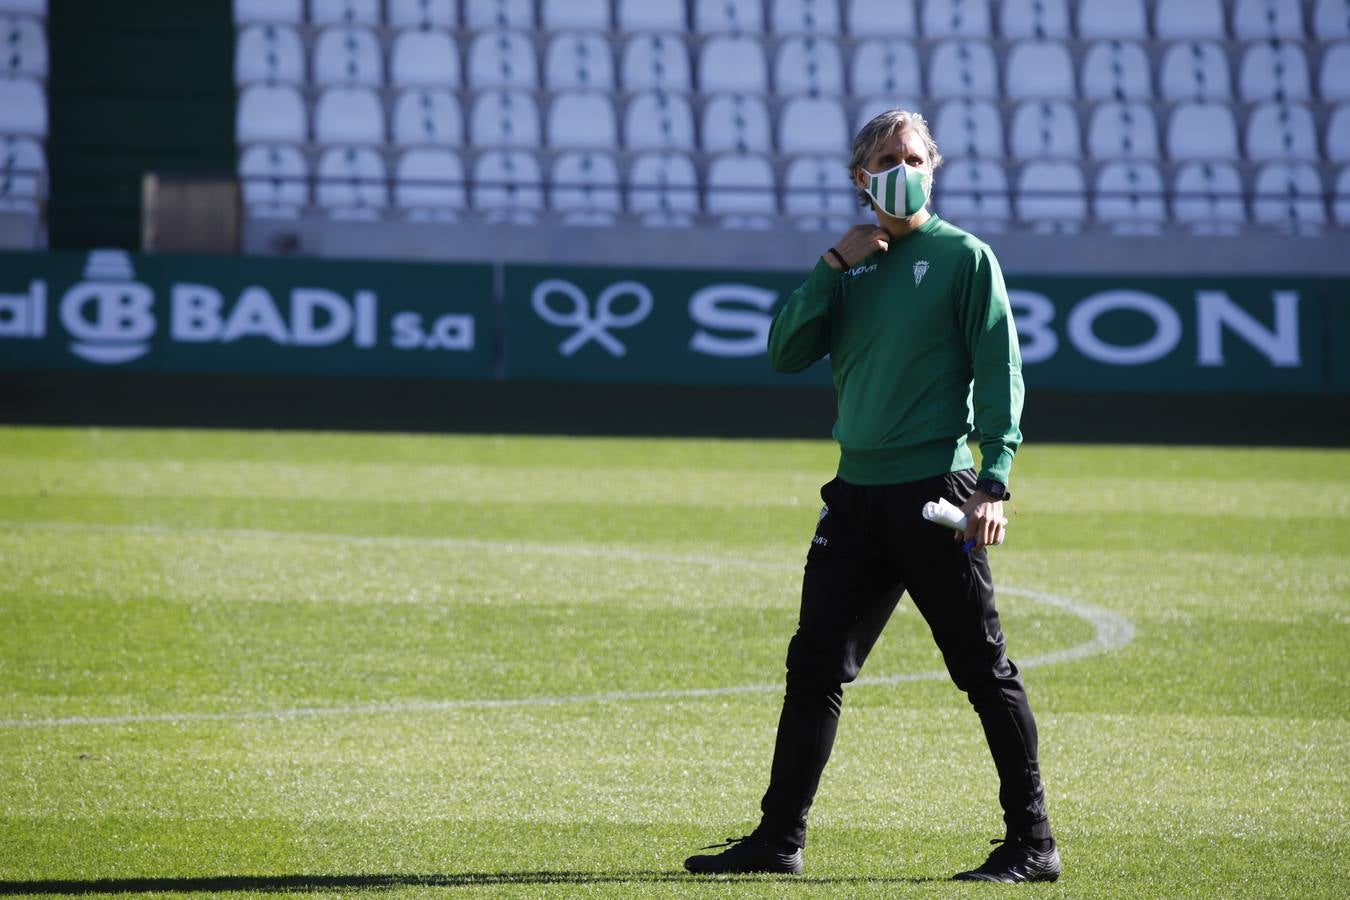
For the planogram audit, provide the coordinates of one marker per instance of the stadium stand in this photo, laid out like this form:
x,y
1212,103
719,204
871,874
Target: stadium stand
x,y
429,185
658,61
23,172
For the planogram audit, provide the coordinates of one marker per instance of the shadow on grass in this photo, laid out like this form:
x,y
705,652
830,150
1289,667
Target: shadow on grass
x,y
271,883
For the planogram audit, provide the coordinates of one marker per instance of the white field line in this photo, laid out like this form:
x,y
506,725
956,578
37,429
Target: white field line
x,y
1111,631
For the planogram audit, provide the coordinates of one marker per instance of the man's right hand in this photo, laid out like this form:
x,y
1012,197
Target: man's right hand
x,y
858,243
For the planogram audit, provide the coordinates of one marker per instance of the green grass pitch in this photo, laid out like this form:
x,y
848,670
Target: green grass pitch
x,y
234,663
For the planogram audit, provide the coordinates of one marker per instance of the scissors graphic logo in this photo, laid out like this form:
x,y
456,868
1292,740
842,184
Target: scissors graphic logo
x,y
591,325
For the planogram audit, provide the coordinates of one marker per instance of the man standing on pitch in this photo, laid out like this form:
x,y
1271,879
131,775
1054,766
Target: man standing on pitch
x,y
912,312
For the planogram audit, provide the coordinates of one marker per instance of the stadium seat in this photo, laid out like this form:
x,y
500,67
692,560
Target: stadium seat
x,y
807,64
1288,196
428,116
963,69
805,17
23,174
740,191
882,18
817,195
970,128
274,181
583,119
352,183
348,54
1331,20
1274,70
1052,197
732,63
1203,131
1045,129
289,11
1338,134
1188,19
736,122
658,120
344,12
1255,20
1112,19
504,119
424,57
656,61
502,58
264,113
1280,131
585,188
663,190
956,18
269,53
1116,70
581,15
1341,201
429,185
1207,198
497,14
508,187
644,15
729,16
814,125
423,14
1195,70
1334,81
23,47
1129,198
973,193
349,115
885,65
579,59
1123,130
1038,19
1039,70
871,107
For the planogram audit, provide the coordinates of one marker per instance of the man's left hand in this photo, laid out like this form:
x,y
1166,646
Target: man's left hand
x,y
985,523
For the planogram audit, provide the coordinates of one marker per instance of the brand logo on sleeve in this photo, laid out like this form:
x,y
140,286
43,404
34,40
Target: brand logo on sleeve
x,y
920,270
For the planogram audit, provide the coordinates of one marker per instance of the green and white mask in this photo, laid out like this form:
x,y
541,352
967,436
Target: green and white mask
x,y
901,191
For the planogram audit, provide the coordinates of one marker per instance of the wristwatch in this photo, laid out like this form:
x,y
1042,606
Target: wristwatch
x,y
995,489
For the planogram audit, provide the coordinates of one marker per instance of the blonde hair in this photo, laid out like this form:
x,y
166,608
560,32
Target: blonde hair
x,y
878,131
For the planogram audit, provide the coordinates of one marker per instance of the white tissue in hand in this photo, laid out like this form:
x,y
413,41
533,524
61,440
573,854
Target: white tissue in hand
x,y
944,513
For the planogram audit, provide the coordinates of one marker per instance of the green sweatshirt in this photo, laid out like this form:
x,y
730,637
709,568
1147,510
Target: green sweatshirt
x,y
907,331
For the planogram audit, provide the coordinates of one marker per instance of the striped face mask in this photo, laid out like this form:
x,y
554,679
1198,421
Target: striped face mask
x,y
899,192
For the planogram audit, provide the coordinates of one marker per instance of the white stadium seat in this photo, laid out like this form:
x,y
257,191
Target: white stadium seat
x,y
23,174
502,58
504,119
349,115
1274,70
1207,198
1203,131
23,47
657,120
480,14
656,61
1334,82
352,183
813,125
508,187
344,12
1045,129
583,119
1338,134
1039,70
426,57
348,54
1331,20
1281,131
1342,199
963,69
288,11
1188,19
737,122
970,128
428,116
732,63
807,64
423,13
871,107
886,65
1255,20
663,190
1037,19
585,188
1195,70
882,18
269,52
741,191
429,185
1119,19
805,17
956,18
1123,130
265,113
579,59
644,15
973,193
1052,197
817,195
589,15
729,16
274,181
1288,195
1129,198
1116,70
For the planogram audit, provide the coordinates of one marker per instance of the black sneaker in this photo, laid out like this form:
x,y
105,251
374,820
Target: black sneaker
x,y
745,855
1013,862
